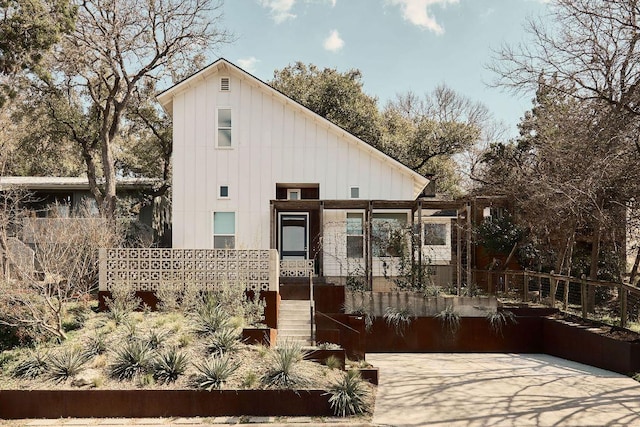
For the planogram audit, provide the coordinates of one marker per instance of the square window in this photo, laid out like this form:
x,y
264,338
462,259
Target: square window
x,y
355,192
293,194
435,234
224,191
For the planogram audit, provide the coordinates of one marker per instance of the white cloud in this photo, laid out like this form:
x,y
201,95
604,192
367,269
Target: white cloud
x,y
418,12
333,3
280,9
248,64
333,43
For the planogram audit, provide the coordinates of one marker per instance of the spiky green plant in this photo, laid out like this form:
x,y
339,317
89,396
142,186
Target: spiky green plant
x,y
449,319
131,359
349,395
333,362
157,337
224,340
398,318
210,317
213,372
33,365
67,363
96,344
169,365
497,320
283,372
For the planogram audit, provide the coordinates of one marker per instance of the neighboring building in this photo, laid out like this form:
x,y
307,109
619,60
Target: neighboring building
x,y
57,198
253,169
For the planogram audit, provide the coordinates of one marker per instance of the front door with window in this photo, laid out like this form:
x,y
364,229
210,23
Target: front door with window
x,y
294,235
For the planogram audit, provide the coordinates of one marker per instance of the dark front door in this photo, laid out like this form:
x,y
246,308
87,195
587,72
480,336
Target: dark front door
x,y
294,235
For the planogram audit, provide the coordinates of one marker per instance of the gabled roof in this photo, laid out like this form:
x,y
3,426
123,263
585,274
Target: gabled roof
x,y
166,100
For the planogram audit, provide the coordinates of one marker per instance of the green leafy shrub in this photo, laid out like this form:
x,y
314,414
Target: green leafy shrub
x,y
398,319
224,340
131,358
122,303
213,372
33,365
449,319
349,395
497,320
283,372
67,363
169,365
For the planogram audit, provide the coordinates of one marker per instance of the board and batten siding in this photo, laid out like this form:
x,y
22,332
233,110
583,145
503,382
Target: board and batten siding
x,y
274,141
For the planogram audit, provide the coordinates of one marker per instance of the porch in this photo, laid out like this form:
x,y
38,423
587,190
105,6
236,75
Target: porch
x,y
339,241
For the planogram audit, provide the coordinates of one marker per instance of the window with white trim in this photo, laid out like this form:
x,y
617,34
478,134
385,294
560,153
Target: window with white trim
x,y
355,235
224,128
224,230
354,192
294,194
434,234
223,192
388,234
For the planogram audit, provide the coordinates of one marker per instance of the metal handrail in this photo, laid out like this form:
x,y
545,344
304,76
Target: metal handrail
x,y
312,307
338,322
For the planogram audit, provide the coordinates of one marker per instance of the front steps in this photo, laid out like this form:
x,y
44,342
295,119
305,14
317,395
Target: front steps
x,y
294,322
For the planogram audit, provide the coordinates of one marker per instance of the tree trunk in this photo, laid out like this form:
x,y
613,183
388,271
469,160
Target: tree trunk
x,y
593,271
109,171
634,270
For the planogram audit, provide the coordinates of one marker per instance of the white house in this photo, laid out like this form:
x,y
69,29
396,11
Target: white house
x,y
254,169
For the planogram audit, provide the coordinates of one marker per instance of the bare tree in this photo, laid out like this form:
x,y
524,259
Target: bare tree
x,y
65,255
117,48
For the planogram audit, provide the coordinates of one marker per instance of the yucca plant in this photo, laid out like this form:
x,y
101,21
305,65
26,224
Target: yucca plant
x,y
96,344
497,320
213,372
169,365
449,319
131,359
210,317
67,363
349,395
333,362
157,337
223,341
33,365
283,372
398,319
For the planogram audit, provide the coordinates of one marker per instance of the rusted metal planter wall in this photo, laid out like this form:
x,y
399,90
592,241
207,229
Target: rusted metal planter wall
x,y
579,344
16,404
426,334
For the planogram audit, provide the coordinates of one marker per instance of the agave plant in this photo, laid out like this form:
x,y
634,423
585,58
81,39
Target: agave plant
x,y
169,365
349,395
67,363
223,341
210,317
131,359
283,372
213,372
398,319
34,365
449,319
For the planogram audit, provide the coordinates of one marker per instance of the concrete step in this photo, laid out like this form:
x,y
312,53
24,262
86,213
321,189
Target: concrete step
x,y
293,315
287,322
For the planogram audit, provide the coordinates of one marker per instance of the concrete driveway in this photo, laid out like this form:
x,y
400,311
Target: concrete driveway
x,y
500,390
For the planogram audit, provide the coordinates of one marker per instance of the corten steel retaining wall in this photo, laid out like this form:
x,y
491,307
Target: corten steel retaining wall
x,y
16,404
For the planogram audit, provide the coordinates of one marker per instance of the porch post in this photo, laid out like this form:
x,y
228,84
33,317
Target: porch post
x,y
273,227
458,252
469,278
412,246
321,239
369,234
420,240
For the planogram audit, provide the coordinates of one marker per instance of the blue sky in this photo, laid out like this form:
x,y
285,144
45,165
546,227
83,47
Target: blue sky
x,y
399,45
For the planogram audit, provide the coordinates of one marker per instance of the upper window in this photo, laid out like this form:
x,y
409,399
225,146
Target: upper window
x,y
223,192
355,235
435,234
294,194
225,84
224,230
354,192
224,127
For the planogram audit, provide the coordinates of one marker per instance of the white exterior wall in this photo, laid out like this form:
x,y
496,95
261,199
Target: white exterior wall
x,y
274,141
